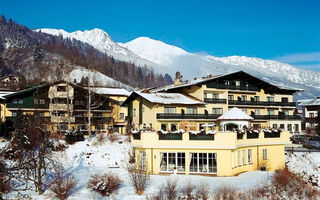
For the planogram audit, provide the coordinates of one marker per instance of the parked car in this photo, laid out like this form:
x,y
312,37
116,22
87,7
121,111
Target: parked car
x,y
311,144
298,139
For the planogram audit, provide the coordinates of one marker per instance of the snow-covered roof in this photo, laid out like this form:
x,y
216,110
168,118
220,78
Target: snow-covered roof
x,y
168,98
235,114
112,91
309,102
4,93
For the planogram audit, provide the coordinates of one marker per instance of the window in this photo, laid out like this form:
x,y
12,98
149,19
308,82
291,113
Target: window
x,y
217,111
121,115
270,99
245,110
42,101
285,112
215,96
99,127
243,97
61,88
134,112
20,101
142,160
13,114
230,97
296,127
239,163
76,102
250,156
289,127
173,127
270,112
164,127
311,115
282,126
257,112
284,99
256,98
203,163
264,154
36,101
169,110
191,110
234,163
205,95
275,126
15,101
244,158
169,161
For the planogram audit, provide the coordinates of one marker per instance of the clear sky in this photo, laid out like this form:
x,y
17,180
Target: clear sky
x,y
284,30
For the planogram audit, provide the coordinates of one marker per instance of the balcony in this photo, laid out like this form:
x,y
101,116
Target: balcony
x,y
216,101
310,119
220,140
234,87
276,117
94,119
186,116
261,103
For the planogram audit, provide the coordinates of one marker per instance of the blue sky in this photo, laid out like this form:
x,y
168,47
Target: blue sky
x,y
287,31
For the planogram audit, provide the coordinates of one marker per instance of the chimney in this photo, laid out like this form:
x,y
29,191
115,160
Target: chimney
x,y
177,80
195,78
318,97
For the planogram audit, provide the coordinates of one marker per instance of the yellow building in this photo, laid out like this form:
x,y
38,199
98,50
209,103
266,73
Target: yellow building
x,y
179,124
120,113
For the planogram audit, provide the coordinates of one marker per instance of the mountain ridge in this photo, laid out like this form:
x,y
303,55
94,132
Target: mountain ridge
x,y
169,58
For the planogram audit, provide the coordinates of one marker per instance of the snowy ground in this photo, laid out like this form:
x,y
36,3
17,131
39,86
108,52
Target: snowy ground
x,y
306,165
84,159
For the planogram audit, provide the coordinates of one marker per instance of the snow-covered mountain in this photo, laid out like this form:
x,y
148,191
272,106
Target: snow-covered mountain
x,y
154,50
101,40
165,58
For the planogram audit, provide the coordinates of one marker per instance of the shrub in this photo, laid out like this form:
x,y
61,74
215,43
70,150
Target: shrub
x,y
73,136
63,187
187,191
225,192
105,184
113,137
139,178
4,179
202,192
58,145
169,191
100,138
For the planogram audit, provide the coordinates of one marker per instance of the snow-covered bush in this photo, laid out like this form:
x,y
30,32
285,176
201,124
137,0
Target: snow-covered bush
x,y
58,145
4,179
105,184
168,191
139,178
100,138
202,192
187,191
113,137
63,186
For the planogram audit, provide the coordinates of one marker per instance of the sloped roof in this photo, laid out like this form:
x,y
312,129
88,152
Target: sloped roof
x,y
235,114
208,79
310,102
166,98
112,91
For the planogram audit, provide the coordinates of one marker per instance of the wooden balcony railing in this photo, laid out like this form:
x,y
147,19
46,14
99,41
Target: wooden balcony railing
x,y
261,103
186,116
277,117
212,100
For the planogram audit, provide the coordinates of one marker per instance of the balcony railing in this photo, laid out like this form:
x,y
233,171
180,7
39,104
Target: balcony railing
x,y
93,119
212,100
272,135
280,117
170,136
201,137
261,103
136,136
234,87
311,119
186,116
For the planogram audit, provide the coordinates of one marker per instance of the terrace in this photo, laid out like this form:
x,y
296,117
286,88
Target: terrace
x,y
219,140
